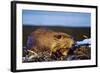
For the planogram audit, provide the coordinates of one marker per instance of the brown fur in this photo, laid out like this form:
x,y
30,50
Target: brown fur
x,y
48,42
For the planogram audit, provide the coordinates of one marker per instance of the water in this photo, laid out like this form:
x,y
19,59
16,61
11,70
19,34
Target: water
x,y
76,32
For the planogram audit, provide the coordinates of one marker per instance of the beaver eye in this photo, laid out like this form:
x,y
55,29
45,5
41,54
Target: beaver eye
x,y
58,36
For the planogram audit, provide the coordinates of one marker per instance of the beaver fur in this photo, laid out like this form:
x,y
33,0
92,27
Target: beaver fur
x,y
45,43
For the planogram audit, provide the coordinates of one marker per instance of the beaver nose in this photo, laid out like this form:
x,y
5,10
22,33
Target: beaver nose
x,y
72,38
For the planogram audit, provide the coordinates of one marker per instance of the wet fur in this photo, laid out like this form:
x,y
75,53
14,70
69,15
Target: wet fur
x,y
47,42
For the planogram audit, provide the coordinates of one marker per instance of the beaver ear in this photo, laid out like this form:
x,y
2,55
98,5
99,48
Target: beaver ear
x,y
30,42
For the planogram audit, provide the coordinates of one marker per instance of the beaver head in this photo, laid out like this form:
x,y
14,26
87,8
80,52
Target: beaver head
x,y
48,41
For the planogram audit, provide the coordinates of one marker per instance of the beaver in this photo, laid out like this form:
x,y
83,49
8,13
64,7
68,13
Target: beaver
x,y
44,42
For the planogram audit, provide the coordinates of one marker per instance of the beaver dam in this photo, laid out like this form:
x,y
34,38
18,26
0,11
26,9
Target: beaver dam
x,y
55,43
